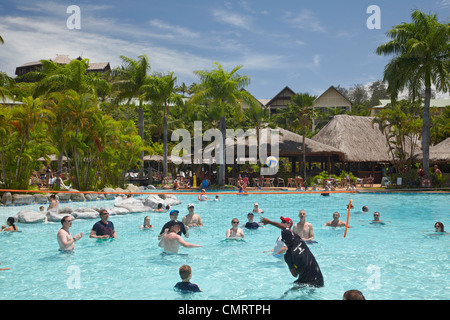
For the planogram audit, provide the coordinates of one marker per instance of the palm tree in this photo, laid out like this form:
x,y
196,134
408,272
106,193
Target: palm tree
x,y
28,116
134,82
222,89
304,102
6,118
80,109
259,118
73,76
421,59
163,94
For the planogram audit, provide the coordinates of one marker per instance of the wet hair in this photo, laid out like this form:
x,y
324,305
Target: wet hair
x,y
353,295
11,222
185,271
160,205
440,224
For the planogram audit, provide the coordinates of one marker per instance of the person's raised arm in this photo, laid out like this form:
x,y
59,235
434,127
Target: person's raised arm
x,y
276,224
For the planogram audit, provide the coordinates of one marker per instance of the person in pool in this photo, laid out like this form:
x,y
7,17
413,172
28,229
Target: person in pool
x,y
256,208
171,241
250,224
335,222
192,219
439,226
173,217
65,240
376,218
103,229
234,232
202,196
280,247
301,262
304,229
11,226
146,224
185,286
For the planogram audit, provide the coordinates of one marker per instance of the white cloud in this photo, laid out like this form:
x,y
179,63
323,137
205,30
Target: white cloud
x,y
305,20
232,18
182,31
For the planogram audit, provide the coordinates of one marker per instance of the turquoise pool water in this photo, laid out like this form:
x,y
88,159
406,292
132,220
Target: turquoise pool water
x,y
403,259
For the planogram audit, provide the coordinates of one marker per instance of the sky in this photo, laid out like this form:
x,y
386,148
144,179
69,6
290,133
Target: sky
x,y
305,45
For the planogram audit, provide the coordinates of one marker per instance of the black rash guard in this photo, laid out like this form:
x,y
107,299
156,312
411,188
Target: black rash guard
x,y
299,256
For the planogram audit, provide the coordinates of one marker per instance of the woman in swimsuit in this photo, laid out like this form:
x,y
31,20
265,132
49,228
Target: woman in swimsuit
x,y
11,226
235,232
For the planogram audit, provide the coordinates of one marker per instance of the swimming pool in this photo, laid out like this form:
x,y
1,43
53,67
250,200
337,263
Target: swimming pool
x,y
402,259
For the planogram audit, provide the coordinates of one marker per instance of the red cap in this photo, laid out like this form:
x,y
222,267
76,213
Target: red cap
x,y
288,220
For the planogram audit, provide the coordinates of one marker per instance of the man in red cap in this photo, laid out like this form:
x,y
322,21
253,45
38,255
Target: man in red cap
x,y
298,257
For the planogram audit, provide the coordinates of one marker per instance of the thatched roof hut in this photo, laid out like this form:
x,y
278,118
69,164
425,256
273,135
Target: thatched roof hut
x,y
290,144
439,153
356,137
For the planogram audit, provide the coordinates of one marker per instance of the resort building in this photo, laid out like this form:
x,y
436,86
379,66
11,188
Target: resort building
x,y
331,98
436,103
280,100
100,67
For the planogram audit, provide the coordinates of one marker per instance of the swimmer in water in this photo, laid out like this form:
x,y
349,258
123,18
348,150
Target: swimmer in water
x,y
202,196
192,219
65,240
304,229
376,218
250,224
171,241
335,222
234,232
256,208
11,226
146,224
439,226
280,247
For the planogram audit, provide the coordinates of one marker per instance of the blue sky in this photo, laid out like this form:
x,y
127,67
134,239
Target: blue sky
x,y
306,45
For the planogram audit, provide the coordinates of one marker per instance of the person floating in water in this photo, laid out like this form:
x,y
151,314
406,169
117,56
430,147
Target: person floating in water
x,y
301,262
171,240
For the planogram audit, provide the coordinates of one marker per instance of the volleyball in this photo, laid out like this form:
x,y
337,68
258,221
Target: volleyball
x,y
271,162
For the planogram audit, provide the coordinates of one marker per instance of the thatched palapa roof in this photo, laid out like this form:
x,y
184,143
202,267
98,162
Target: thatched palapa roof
x,y
356,137
439,152
290,144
